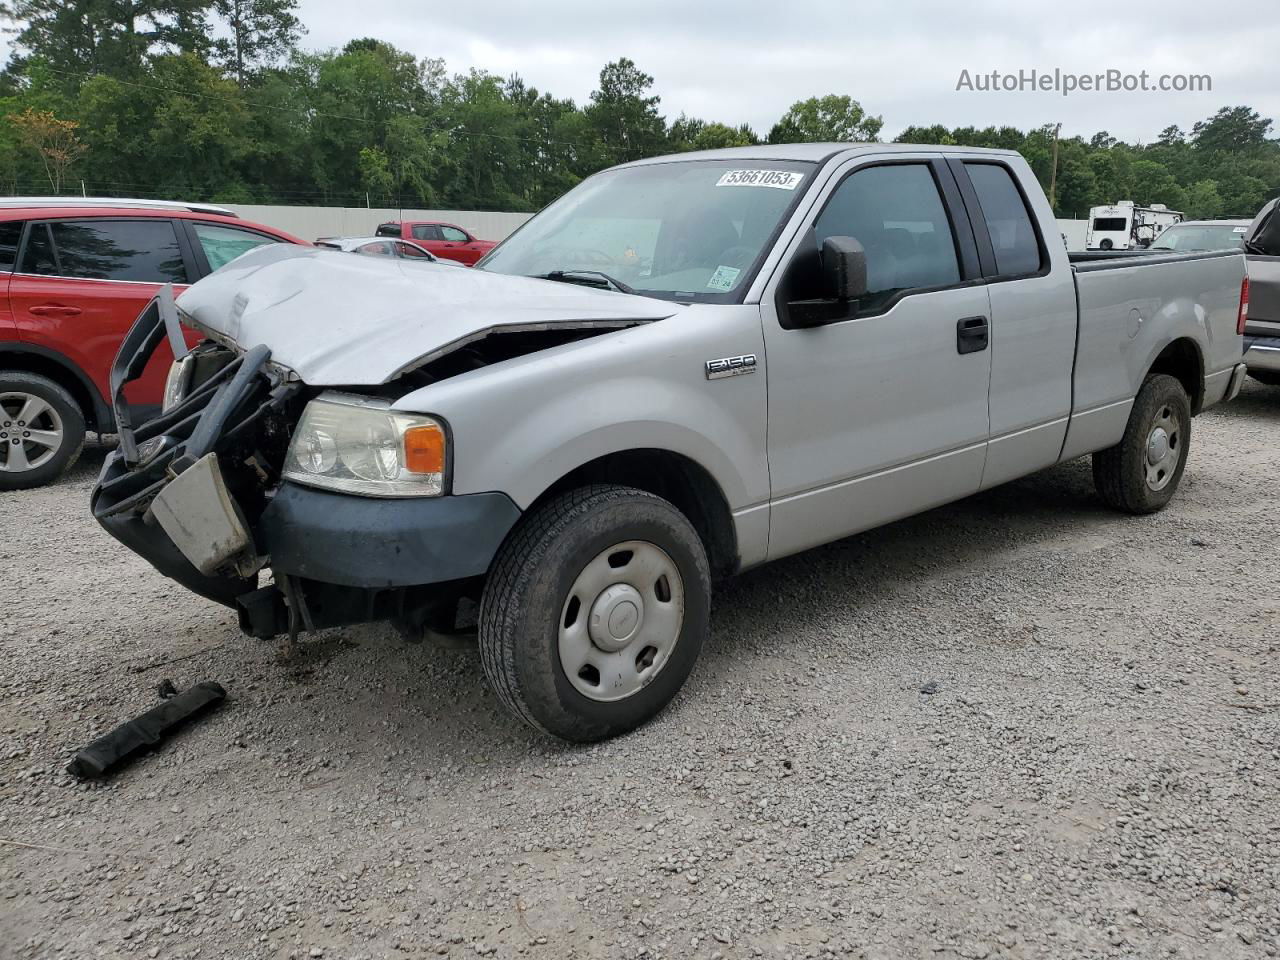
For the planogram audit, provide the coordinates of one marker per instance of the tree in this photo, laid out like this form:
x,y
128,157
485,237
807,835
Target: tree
x,y
262,33
832,118
624,113
1203,201
1231,129
79,37
54,140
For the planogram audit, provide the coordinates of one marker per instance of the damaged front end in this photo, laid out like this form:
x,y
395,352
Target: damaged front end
x,y
202,492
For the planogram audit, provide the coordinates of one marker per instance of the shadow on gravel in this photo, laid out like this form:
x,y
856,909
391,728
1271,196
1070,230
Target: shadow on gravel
x,y
1256,401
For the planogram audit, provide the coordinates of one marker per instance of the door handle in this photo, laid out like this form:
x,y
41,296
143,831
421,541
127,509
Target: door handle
x,y
972,334
54,310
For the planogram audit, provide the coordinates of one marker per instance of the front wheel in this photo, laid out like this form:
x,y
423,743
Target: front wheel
x,y
1141,473
595,612
41,430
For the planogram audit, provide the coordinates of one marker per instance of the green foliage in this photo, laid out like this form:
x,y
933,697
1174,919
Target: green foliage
x,y
832,118
212,99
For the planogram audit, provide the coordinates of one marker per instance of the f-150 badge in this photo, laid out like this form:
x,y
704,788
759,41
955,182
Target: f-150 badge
x,y
731,366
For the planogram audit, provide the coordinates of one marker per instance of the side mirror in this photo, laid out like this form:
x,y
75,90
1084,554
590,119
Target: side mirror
x,y
844,268
833,280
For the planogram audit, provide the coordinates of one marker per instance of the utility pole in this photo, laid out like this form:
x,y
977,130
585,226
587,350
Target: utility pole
x,y
1053,177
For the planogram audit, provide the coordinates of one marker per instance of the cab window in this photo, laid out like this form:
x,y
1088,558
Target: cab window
x,y
454,235
897,214
1013,233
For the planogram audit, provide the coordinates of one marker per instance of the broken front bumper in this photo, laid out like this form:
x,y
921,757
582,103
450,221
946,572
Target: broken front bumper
x,y
335,558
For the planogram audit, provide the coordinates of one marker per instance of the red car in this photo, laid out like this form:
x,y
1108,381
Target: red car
x,y
445,240
74,275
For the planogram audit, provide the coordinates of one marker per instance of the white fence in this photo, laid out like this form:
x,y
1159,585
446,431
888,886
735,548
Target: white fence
x,y
308,223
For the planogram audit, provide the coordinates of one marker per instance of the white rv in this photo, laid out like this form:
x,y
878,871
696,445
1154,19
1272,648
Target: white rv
x,y
1125,226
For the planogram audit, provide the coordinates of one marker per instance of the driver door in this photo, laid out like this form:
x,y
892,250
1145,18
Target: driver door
x,y
881,414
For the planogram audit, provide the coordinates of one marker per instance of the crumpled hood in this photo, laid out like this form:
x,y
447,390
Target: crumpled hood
x,y
344,319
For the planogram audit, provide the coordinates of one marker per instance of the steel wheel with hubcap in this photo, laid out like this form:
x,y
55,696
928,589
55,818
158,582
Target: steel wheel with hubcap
x,y
595,611
621,620
41,430
1140,474
1164,449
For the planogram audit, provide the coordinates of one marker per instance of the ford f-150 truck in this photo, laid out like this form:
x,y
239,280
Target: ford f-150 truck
x,y
685,367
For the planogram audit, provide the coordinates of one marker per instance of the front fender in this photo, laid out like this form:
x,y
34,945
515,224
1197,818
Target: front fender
x,y
520,426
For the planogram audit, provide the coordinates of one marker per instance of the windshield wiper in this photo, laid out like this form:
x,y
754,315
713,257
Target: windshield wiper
x,y
588,277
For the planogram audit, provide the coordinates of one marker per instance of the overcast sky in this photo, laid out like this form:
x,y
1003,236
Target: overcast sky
x,y
748,60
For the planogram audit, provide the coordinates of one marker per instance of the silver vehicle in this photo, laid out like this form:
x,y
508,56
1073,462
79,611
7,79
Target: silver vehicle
x,y
1262,331
1200,236
384,247
685,367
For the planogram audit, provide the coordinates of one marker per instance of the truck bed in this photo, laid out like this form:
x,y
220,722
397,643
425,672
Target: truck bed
x,y
1131,307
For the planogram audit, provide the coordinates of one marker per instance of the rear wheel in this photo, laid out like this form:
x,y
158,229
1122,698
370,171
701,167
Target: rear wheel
x,y
595,612
1141,473
41,430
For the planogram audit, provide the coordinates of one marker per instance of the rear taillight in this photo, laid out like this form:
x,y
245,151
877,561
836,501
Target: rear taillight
x,y
1243,318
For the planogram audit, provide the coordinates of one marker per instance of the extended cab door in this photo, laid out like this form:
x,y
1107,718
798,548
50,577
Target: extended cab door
x,y
81,283
881,414
1033,314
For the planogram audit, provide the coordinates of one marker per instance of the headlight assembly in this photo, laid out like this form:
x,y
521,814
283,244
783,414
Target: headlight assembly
x,y
178,383
359,445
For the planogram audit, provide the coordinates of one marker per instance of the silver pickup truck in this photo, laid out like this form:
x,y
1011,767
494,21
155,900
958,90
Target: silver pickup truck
x,y
685,367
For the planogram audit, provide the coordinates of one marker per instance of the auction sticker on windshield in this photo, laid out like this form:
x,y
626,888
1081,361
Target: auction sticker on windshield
x,y
779,179
724,278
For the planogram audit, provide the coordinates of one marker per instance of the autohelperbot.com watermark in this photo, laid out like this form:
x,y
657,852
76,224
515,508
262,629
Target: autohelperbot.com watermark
x,y
1066,82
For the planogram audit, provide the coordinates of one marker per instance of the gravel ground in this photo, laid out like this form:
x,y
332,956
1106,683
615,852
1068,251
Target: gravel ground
x,y
1020,726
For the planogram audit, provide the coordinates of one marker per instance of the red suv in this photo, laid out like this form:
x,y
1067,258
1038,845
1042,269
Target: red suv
x,y
445,240
74,275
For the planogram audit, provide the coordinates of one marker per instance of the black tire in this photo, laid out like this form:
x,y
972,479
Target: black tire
x,y
529,586
64,411
1106,244
1269,377
1120,472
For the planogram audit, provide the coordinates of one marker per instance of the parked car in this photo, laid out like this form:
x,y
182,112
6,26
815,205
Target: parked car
x,y
1192,236
582,449
1262,332
73,275
442,239
384,247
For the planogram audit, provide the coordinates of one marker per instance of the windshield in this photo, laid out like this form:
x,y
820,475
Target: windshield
x,y
1227,236
692,230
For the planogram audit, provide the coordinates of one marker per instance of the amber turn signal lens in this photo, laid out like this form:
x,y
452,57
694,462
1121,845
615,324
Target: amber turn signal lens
x,y
424,449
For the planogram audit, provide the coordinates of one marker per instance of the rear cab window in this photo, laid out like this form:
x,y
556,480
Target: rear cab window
x,y
426,231
138,251
1014,238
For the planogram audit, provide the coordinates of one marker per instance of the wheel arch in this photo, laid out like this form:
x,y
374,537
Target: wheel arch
x,y
30,358
1183,360
675,477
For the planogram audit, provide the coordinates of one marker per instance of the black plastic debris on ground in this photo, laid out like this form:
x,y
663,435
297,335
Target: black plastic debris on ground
x,y
145,731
